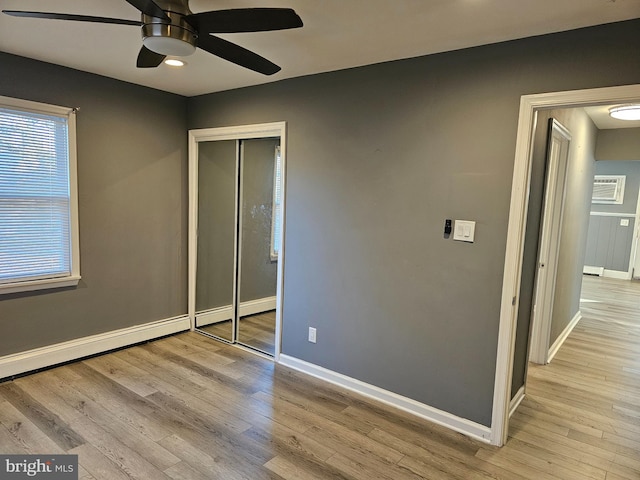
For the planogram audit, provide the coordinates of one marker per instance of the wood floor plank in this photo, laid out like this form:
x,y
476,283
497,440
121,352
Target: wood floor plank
x,y
209,464
440,459
300,470
130,461
24,436
65,399
47,421
127,375
141,415
98,465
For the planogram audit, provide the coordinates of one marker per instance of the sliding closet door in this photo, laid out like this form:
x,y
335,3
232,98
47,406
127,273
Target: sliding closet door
x,y
236,227
258,255
216,238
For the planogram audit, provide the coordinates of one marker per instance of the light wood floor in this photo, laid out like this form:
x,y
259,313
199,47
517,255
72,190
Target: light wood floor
x,y
582,411
186,407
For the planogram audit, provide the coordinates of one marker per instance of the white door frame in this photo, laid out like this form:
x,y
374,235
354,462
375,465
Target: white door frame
x,y
241,132
557,159
529,104
634,261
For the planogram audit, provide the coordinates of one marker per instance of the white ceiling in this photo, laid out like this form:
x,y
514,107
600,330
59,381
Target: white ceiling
x,y
337,34
604,121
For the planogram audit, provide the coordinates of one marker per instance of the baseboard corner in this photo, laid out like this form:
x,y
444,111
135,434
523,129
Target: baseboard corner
x,y
461,425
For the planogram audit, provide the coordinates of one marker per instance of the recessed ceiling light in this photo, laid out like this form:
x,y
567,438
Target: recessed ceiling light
x,y
174,62
626,112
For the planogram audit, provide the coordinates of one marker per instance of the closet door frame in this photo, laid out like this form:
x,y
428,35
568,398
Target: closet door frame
x,y
240,132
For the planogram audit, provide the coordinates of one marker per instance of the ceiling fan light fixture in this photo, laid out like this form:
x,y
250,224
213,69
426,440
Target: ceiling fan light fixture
x,y
169,46
626,112
176,39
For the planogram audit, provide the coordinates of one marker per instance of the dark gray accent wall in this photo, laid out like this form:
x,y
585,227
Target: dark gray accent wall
x,y
378,158
258,273
217,183
132,181
575,219
618,144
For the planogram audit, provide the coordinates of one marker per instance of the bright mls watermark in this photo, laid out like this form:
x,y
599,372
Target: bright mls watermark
x,y
50,467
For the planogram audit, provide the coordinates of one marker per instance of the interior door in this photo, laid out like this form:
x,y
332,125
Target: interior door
x,y
258,257
216,238
236,231
557,161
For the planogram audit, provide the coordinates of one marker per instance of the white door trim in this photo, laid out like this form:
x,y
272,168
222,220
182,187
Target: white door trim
x,y
241,132
634,260
529,104
557,158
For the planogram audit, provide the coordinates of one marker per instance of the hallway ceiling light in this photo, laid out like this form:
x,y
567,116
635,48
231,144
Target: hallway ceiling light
x,y
627,112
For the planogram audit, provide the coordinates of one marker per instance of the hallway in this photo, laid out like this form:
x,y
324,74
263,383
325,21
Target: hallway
x,y
581,415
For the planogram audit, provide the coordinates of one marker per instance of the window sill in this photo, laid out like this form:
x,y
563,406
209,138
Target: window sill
x,y
41,284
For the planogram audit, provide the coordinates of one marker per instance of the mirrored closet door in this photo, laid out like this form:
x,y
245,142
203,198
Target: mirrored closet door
x,y
236,206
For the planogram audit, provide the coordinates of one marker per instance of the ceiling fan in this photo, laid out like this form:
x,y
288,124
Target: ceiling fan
x,y
169,28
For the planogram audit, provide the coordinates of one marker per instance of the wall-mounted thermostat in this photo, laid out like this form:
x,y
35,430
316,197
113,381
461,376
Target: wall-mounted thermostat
x,y
464,230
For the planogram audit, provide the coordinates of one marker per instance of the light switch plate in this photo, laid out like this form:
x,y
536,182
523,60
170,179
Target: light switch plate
x,y
464,231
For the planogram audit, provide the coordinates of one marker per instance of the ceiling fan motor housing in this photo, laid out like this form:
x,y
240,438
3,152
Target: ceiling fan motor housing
x,y
174,37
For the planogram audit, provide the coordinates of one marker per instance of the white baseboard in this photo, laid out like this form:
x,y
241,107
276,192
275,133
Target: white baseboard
x,y
516,401
48,356
617,274
215,315
590,270
223,314
440,417
260,305
563,336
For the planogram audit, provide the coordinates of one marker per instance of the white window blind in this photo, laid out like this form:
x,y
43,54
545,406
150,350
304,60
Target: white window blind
x,y
276,219
36,211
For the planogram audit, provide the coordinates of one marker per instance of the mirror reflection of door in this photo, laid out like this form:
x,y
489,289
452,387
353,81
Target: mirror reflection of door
x,y
215,275
258,256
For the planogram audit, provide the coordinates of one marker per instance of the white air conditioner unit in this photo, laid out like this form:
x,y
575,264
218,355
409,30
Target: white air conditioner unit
x,y
608,189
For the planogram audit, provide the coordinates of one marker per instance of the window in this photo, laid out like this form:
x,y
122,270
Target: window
x,y
38,197
608,189
276,212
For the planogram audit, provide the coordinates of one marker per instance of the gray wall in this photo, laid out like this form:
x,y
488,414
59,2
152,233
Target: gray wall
x,y
217,183
631,185
609,244
618,144
575,220
132,152
258,273
378,158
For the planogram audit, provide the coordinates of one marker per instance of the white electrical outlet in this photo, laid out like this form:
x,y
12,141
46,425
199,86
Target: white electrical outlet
x,y
312,335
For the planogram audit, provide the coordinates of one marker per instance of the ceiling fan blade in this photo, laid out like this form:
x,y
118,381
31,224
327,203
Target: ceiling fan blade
x,y
148,58
77,18
245,20
237,54
149,7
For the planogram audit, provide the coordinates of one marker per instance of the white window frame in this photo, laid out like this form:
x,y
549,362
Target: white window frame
x,y
74,237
